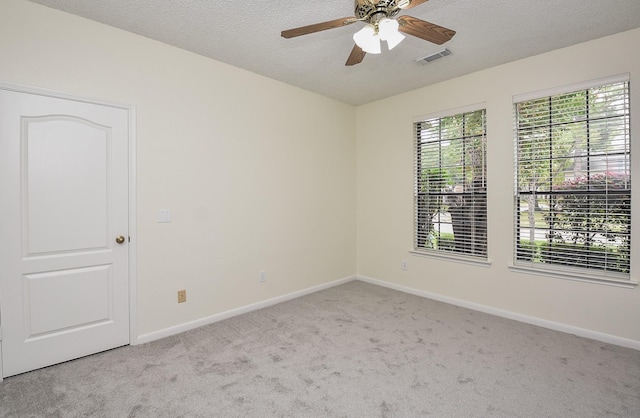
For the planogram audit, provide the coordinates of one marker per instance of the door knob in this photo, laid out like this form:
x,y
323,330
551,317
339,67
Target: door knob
x,y
119,239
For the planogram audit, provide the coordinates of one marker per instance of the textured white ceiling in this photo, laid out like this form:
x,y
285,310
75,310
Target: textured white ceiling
x,y
246,34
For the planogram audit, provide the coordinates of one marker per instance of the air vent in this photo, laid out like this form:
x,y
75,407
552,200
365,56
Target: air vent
x,y
434,56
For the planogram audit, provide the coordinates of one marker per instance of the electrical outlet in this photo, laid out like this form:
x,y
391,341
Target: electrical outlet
x,y
182,296
404,265
263,276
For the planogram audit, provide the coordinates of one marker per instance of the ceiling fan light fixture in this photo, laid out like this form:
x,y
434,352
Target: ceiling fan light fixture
x,y
388,29
380,25
368,39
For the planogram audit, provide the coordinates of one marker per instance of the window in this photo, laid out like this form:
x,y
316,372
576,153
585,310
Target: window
x,y
451,185
573,182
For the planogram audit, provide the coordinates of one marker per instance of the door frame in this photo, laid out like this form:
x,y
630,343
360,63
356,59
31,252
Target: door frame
x,y
132,247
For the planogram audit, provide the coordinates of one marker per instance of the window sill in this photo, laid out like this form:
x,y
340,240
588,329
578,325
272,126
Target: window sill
x,y
452,257
574,275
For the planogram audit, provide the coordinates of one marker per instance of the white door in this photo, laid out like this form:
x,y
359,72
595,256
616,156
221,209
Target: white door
x,y
64,285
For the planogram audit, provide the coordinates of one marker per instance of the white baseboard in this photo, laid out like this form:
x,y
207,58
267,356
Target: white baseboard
x,y
556,326
167,332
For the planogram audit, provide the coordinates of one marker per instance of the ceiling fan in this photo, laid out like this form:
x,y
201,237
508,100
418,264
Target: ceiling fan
x,y
381,26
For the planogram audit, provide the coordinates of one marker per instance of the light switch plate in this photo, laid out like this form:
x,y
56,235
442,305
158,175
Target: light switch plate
x,y
164,215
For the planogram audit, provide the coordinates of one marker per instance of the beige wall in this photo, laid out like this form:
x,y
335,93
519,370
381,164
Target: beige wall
x,y
259,175
385,191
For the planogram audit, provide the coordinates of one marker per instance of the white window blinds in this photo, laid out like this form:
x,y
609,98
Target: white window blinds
x,y
451,185
573,181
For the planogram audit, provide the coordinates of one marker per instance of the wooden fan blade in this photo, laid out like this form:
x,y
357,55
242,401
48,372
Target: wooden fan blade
x,y
304,30
356,56
411,3
425,30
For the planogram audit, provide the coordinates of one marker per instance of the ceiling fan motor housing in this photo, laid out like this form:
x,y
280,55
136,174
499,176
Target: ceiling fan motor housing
x,y
372,12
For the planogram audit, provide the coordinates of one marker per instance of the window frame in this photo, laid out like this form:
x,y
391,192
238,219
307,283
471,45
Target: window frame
x,y
449,254
587,274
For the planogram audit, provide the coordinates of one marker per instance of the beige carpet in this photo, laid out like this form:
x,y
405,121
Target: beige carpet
x,y
356,350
